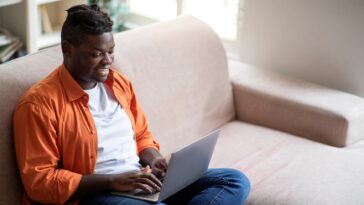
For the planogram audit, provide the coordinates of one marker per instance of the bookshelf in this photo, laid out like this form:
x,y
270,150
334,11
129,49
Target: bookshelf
x,y
44,20
10,42
37,23
8,2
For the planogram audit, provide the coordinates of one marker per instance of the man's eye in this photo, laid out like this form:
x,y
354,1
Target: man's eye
x,y
96,54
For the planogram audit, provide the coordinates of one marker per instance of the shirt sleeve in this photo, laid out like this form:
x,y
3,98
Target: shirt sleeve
x,y
35,137
144,138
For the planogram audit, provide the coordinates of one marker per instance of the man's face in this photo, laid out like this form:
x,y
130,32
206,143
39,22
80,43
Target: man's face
x,y
91,60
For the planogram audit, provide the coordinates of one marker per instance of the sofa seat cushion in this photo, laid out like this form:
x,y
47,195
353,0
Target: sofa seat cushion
x,y
358,146
285,169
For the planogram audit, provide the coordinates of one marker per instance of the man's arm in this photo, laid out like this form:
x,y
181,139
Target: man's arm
x,y
98,183
148,148
152,157
35,138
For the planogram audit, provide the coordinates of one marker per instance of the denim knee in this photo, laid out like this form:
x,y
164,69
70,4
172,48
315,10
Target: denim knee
x,y
239,182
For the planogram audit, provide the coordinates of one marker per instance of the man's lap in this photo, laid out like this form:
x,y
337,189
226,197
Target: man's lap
x,y
214,183
110,199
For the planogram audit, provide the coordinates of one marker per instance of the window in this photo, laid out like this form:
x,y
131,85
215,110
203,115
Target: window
x,y
160,10
221,15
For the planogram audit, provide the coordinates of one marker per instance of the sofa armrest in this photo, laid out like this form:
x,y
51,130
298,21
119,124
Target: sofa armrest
x,y
311,111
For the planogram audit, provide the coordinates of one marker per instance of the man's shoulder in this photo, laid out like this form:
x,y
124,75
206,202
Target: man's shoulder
x,y
44,91
121,81
120,78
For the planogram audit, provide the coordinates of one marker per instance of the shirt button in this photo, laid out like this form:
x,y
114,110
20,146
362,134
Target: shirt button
x,y
92,131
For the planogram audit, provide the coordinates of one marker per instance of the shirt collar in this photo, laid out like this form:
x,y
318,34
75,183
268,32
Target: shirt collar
x,y
73,90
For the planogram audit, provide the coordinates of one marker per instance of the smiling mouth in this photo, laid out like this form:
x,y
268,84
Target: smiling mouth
x,y
103,71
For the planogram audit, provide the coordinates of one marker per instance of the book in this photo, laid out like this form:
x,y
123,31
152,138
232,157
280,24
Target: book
x,y
7,51
5,37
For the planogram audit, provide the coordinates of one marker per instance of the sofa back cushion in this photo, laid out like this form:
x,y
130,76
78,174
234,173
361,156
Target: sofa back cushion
x,y
179,73
16,77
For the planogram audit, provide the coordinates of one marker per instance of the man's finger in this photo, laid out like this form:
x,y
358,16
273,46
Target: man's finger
x,y
149,183
144,187
155,180
150,176
159,172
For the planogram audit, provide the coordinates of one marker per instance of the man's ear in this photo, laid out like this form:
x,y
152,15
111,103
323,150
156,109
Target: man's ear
x,y
67,48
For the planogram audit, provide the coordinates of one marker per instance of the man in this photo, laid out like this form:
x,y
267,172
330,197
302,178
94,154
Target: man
x,y
80,133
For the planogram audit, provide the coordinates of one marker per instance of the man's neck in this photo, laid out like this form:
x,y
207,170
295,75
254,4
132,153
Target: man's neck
x,y
85,84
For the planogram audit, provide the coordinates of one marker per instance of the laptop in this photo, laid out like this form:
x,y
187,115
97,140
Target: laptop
x,y
185,167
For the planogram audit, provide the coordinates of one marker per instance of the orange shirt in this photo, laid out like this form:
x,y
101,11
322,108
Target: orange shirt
x,y
55,135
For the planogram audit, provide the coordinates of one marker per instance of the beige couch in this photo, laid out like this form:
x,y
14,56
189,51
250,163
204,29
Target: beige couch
x,y
298,143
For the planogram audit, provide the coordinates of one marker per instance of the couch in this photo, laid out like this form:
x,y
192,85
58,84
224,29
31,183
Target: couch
x,y
299,143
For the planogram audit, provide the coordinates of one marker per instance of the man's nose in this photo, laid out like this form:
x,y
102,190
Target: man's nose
x,y
108,57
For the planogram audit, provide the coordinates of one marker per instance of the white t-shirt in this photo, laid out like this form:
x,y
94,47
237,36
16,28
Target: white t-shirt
x,y
116,145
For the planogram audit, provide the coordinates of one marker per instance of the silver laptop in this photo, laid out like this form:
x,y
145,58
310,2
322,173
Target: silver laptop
x,y
185,167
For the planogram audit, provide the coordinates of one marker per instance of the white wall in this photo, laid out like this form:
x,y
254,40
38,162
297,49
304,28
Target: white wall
x,y
317,40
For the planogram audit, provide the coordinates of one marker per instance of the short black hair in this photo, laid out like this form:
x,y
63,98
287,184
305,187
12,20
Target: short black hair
x,y
84,19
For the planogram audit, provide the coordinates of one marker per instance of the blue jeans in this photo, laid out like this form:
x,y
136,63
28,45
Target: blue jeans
x,y
216,186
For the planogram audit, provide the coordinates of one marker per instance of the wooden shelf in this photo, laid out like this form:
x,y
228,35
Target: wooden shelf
x,y
36,22
40,2
44,19
8,2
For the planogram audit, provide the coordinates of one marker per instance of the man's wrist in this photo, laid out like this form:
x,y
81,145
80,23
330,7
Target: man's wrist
x,y
155,160
148,155
93,184
110,182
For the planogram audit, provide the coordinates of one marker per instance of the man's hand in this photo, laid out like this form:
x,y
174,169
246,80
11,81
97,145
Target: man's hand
x,y
98,183
143,179
159,167
158,163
